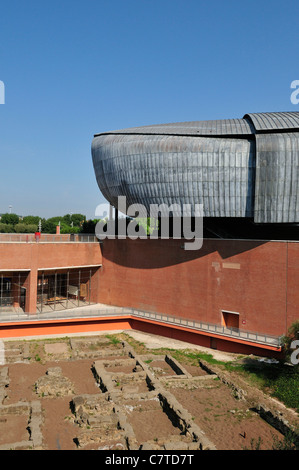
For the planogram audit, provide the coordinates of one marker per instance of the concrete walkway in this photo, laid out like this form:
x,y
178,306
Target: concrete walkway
x,y
151,341
157,342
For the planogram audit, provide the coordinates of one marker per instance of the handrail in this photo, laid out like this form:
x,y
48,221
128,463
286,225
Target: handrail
x,y
47,238
261,338
192,324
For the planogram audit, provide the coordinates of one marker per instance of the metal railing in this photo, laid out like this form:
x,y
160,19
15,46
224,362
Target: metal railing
x,y
253,337
47,238
74,313
95,311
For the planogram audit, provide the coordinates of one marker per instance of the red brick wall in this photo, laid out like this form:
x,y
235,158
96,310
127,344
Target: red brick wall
x,y
34,256
48,255
292,307
259,280
256,279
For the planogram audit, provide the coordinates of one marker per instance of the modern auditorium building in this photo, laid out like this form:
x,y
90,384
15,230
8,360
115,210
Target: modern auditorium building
x,y
244,173
238,292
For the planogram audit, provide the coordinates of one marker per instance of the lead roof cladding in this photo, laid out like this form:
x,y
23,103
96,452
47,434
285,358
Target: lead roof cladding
x,y
274,179
250,124
277,167
274,121
193,128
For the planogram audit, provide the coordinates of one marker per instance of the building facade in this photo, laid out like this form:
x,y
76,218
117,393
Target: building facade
x,y
244,173
53,273
236,168
235,293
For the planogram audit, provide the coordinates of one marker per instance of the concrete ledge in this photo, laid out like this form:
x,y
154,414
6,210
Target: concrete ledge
x,y
127,321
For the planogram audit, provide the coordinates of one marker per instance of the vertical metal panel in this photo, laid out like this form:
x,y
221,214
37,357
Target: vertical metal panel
x,y
274,121
277,189
155,169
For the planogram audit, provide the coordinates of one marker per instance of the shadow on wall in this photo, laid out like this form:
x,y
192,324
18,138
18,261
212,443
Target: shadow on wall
x,y
154,254
226,236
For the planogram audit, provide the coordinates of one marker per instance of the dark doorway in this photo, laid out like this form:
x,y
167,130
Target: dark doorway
x,y
230,319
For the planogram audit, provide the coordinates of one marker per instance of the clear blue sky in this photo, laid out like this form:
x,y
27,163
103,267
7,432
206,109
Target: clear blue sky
x,y
75,68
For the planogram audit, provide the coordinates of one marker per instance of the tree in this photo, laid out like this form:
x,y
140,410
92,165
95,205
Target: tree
x,y
25,228
6,228
68,229
12,219
31,219
88,226
48,226
78,219
55,220
67,219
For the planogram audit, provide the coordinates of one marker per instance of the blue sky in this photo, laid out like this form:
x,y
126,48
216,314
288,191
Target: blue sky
x,y
75,68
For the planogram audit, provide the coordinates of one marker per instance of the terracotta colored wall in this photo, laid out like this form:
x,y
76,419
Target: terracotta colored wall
x,y
34,256
48,255
259,280
292,307
62,327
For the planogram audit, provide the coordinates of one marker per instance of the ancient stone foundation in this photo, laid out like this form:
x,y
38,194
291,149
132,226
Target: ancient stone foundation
x,y
128,384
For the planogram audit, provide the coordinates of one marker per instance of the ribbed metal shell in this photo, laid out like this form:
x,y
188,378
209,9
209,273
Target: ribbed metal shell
x,y
236,167
277,185
274,121
194,128
154,169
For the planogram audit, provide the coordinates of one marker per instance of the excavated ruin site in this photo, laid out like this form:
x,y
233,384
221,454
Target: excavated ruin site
x,y
104,393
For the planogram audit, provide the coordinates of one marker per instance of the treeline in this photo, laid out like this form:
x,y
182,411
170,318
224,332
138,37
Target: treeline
x,y
69,223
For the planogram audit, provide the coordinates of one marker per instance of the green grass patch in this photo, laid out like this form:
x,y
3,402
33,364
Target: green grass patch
x,y
113,339
279,380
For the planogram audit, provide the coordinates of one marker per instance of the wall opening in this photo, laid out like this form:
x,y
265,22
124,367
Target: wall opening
x,y
230,319
65,288
13,288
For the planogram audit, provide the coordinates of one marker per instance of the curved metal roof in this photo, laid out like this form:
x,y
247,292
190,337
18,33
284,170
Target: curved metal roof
x,y
250,124
245,167
274,121
219,127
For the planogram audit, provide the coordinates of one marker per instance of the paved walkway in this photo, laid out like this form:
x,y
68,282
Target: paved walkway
x,y
98,310
157,342
77,312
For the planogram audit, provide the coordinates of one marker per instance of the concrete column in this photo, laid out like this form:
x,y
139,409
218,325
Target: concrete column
x,y
31,291
95,286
